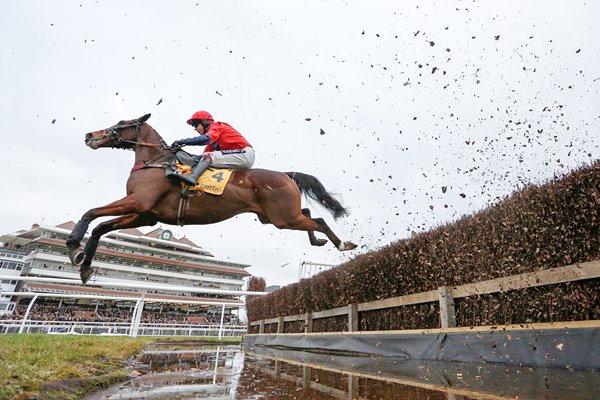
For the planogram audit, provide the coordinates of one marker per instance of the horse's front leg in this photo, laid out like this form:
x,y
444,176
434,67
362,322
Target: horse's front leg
x,y
127,205
124,222
74,239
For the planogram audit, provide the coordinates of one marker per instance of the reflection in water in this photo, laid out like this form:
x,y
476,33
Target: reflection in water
x,y
174,373
227,372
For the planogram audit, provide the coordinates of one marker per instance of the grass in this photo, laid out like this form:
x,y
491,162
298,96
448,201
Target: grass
x,y
66,367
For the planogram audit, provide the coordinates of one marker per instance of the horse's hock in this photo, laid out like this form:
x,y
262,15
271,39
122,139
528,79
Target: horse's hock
x,y
517,283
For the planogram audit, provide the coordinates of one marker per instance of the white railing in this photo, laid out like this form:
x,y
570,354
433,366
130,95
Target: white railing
x,y
118,328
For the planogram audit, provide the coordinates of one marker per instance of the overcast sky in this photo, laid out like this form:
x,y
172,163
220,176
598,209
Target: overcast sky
x,y
414,114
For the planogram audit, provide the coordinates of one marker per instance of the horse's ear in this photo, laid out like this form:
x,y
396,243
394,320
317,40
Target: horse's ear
x,y
143,119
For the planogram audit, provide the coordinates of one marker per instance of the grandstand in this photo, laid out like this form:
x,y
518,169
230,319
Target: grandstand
x,y
11,265
163,281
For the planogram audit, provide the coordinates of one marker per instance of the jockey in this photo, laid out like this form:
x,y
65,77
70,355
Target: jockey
x,y
225,147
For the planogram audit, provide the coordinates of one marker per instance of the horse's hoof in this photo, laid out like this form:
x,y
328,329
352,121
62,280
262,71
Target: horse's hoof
x,y
77,258
86,275
321,242
74,255
347,246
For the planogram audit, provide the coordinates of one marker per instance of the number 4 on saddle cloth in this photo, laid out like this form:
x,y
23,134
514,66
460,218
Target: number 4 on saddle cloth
x,y
212,181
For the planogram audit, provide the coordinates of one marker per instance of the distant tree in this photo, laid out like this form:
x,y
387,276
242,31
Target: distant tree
x,y
256,284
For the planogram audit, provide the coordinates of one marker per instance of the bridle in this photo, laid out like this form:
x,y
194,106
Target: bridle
x,y
113,134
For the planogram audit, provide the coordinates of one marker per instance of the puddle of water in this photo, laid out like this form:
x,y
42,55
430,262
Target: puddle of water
x,y
230,372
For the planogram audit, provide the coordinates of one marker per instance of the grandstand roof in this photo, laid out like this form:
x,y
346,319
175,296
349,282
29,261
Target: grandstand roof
x,y
66,225
132,232
185,240
154,233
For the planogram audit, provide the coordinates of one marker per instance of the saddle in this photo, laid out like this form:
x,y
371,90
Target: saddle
x,y
213,180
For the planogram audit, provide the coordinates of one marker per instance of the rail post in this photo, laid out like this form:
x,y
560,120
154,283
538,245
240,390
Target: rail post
x,y
352,387
353,317
280,325
261,326
277,368
221,324
447,311
22,328
306,372
308,322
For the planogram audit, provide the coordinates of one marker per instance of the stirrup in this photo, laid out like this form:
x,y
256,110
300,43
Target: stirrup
x,y
183,178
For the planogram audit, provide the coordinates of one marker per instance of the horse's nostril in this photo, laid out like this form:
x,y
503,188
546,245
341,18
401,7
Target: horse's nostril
x,y
87,136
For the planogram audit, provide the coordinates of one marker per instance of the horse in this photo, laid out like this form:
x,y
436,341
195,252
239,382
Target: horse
x,y
151,197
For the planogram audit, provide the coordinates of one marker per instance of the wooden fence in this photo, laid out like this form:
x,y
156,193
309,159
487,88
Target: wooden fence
x,y
444,295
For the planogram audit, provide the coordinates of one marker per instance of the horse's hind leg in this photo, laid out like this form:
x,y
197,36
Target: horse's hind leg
x,y
123,222
282,209
304,223
323,227
311,234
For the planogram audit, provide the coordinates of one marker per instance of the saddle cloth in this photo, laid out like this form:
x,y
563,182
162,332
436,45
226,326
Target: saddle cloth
x,y
212,181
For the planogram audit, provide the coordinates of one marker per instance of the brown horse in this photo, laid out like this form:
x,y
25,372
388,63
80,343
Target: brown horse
x,y
273,196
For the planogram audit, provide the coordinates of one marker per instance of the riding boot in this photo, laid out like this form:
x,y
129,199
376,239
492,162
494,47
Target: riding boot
x,y
193,176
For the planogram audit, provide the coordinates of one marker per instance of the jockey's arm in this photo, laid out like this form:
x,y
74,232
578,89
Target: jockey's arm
x,y
194,141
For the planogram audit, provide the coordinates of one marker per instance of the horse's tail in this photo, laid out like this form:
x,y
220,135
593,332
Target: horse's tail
x,y
313,188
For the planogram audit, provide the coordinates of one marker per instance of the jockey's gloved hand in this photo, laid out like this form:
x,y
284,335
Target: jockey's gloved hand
x,y
177,144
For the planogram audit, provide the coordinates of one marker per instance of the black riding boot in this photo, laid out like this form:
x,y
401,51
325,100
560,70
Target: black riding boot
x,y
193,176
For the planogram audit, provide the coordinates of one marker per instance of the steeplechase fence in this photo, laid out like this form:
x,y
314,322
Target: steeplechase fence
x,y
445,296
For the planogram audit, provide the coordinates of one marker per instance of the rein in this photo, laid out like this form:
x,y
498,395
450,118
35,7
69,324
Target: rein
x,y
163,145
113,133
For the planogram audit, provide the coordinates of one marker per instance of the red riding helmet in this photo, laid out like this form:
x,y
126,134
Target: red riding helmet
x,y
200,115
